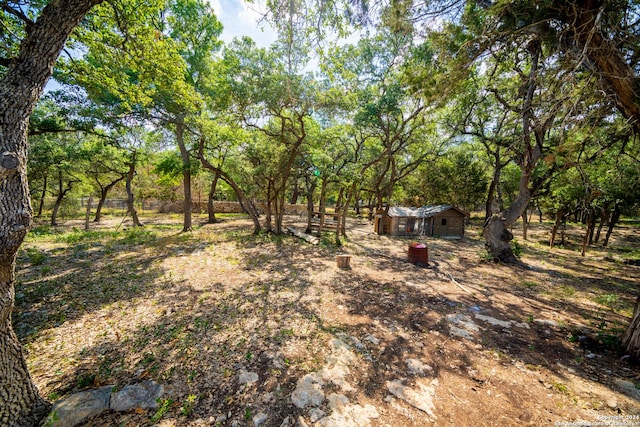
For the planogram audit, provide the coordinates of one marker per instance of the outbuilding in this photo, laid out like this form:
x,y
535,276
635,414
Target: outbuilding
x,y
437,220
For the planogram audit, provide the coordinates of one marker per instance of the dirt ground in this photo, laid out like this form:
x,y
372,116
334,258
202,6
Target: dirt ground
x,y
474,342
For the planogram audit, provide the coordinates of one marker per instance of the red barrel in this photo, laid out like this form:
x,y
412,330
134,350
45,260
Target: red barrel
x,y
418,254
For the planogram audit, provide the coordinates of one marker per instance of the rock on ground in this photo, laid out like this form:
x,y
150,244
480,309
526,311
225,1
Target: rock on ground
x,y
143,395
344,413
308,392
78,407
81,406
420,397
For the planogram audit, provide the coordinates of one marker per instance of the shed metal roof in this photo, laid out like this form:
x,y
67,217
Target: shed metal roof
x,y
422,212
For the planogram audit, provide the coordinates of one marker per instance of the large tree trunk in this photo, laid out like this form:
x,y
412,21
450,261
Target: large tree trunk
x,y
497,239
617,78
20,89
496,229
493,203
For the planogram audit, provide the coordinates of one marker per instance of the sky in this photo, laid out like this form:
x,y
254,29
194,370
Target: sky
x,y
240,18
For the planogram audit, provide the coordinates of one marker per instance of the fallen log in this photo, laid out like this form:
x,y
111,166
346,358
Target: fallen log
x,y
306,237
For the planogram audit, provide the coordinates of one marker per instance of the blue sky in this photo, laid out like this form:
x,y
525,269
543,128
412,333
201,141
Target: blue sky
x,y
240,18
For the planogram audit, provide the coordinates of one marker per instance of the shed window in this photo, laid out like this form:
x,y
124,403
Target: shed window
x,y
402,226
444,221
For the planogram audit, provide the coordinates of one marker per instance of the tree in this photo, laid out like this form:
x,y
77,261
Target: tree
x,y
106,170
457,178
195,29
25,69
264,89
204,147
68,159
151,64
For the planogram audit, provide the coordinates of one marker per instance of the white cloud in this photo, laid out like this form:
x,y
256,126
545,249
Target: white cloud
x,y
217,8
251,13
240,18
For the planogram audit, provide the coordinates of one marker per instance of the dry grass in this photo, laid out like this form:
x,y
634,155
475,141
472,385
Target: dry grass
x,y
190,310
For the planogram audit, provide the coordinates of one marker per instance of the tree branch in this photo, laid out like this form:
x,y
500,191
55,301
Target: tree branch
x,y
16,12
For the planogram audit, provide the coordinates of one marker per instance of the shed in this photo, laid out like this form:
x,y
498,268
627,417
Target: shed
x,y
437,220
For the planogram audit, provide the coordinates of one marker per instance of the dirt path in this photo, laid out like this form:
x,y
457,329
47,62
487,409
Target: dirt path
x,y
260,330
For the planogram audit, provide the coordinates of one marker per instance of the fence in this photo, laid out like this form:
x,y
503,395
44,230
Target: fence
x,y
72,207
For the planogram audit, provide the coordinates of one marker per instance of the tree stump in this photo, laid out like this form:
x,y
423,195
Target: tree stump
x,y
343,261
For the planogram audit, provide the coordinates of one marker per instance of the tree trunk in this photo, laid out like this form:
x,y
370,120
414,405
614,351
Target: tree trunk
x,y
211,198
42,196
498,239
20,89
556,225
267,218
525,224
104,191
588,234
352,194
311,188
323,195
604,216
631,337
244,201
186,174
617,78
280,204
539,214
62,192
58,202
295,194
493,204
131,208
615,216
88,213
496,229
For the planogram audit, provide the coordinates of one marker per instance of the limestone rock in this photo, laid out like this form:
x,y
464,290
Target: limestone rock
x,y
346,414
246,377
628,388
420,397
78,407
259,419
143,395
308,392
416,367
